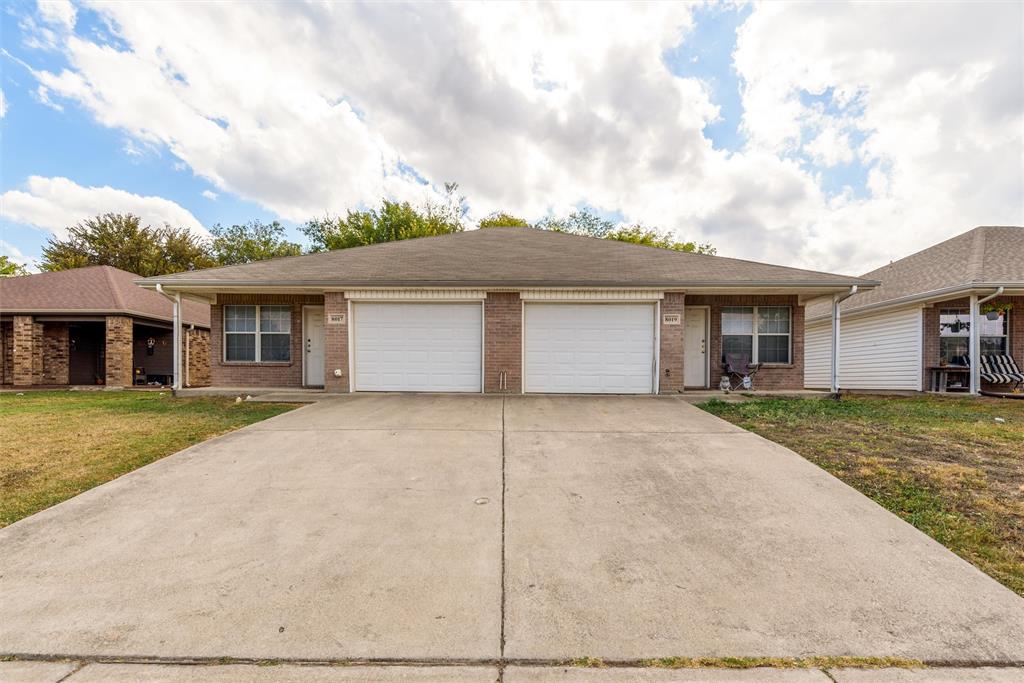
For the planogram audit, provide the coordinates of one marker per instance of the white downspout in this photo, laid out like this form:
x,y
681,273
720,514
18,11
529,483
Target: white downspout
x,y
176,337
188,341
836,300
974,350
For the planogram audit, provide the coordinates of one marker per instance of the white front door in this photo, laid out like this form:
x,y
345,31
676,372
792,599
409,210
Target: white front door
x,y
313,338
695,347
589,348
417,346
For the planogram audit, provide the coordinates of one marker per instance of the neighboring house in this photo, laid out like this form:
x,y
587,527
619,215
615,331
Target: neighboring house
x,y
919,318
503,310
95,326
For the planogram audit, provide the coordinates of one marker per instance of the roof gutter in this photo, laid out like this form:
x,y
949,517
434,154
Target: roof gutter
x,y
577,284
836,300
176,337
974,350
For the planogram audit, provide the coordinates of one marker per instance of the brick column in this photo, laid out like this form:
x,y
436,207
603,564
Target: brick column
x,y
37,353
119,351
55,354
672,344
24,353
335,343
503,342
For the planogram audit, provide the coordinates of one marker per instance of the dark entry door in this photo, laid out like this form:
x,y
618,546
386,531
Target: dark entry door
x,y
85,353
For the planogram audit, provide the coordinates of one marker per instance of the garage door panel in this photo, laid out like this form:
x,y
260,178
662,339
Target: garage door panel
x,y
589,348
417,347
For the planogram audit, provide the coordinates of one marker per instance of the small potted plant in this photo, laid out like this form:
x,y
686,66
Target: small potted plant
x,y
993,311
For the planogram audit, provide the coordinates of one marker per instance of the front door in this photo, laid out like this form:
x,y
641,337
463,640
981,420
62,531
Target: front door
x,y
313,334
695,347
85,353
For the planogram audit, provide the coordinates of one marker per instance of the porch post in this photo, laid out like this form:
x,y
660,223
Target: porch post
x,y
974,343
176,383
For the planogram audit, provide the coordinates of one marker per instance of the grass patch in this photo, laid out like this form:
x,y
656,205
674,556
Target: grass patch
x,y
588,662
57,444
782,662
943,464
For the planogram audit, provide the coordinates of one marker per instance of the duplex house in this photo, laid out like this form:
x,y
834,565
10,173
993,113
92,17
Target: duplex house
x,y
94,326
503,310
933,312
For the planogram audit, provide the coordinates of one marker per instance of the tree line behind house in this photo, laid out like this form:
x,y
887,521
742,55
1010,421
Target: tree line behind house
x,y
123,241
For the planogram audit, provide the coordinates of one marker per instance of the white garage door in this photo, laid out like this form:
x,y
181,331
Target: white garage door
x,y
417,347
589,348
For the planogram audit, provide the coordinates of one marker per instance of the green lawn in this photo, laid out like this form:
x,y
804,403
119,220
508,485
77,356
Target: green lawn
x,y
952,467
56,444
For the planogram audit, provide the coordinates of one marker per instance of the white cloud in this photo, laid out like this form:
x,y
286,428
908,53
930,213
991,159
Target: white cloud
x,y
830,147
59,12
212,196
531,108
17,256
53,204
3,105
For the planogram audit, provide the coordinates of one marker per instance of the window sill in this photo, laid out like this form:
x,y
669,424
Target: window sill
x,y
250,363
779,366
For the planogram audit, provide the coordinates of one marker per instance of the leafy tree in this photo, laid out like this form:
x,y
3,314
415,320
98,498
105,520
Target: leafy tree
x,y
120,240
585,223
651,237
500,219
252,241
391,222
579,223
9,268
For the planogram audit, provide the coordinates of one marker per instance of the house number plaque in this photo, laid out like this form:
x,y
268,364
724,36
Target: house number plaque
x,y
336,319
671,319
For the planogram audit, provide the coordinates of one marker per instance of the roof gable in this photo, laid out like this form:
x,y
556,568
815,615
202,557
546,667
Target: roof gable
x,y
983,256
505,257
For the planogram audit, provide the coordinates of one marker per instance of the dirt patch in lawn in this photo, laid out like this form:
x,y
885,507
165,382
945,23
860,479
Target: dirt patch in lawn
x,y
55,445
952,467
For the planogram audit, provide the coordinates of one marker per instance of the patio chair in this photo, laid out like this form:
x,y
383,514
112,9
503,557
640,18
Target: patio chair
x,y
739,370
1001,369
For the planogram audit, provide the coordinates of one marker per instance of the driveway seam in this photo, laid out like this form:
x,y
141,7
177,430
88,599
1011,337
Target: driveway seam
x,y
504,488
628,663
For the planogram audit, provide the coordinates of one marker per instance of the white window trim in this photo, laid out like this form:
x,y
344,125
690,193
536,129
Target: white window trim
x,y
754,334
257,334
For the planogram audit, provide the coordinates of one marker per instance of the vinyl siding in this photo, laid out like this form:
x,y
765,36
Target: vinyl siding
x,y
877,352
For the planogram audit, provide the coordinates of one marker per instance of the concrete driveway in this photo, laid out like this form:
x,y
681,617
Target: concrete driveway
x,y
475,530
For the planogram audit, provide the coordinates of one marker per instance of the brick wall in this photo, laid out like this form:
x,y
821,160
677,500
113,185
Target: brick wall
x,y
788,376
235,374
22,352
672,344
37,353
335,343
6,353
55,353
930,333
118,343
198,357
503,342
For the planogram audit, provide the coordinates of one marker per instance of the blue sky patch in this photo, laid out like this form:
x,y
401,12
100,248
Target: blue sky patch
x,y
706,53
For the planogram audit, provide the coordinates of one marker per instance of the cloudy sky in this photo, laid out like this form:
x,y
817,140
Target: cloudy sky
x,y
821,135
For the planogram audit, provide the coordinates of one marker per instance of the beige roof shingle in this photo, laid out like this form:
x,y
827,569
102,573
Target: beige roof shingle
x,y
95,290
987,255
507,257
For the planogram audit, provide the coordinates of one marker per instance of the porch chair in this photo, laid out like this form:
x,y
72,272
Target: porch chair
x,y
737,366
1001,369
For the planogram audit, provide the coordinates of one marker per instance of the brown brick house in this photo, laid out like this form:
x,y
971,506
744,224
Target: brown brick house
x,y
916,326
503,310
95,326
